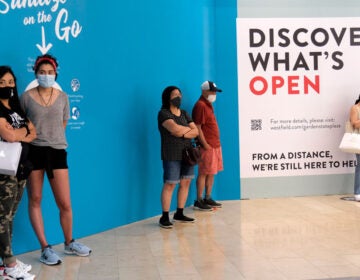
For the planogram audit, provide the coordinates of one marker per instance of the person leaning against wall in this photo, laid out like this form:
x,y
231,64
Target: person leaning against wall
x,y
176,130
211,155
355,122
48,108
14,127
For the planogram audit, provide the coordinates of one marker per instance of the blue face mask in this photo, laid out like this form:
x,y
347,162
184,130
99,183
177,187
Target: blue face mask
x,y
46,81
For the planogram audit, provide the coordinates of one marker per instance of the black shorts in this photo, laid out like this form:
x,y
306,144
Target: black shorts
x,y
48,158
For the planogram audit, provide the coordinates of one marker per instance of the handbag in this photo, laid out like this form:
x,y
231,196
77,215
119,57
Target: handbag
x,y
9,157
350,143
191,154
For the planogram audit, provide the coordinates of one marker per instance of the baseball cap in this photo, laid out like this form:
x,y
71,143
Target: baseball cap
x,y
211,86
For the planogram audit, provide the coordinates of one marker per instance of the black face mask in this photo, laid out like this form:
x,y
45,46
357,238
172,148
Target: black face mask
x,y
176,101
6,92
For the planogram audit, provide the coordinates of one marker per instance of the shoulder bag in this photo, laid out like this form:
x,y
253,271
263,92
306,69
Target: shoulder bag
x,y
191,154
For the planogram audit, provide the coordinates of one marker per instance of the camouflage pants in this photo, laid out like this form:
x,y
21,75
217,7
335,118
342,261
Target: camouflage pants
x,y
11,191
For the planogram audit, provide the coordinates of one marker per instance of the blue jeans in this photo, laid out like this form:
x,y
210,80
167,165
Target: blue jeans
x,y
357,175
174,170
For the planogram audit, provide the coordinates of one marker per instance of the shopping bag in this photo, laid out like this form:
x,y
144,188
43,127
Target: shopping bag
x,y
9,157
350,143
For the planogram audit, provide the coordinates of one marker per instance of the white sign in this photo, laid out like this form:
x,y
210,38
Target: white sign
x,y
298,78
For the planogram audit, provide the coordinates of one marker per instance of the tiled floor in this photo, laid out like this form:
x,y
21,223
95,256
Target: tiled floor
x,y
280,238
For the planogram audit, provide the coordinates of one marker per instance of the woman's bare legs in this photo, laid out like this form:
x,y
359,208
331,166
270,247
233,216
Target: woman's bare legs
x,y
61,190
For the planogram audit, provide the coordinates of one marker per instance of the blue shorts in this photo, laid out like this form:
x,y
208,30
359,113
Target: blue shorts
x,y
175,170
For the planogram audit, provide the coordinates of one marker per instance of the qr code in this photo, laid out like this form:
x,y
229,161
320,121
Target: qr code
x,y
256,124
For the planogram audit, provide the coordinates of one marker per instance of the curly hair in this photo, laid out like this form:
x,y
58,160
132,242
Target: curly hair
x,y
45,59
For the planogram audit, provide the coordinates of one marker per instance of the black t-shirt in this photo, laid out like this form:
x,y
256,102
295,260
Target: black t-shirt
x,y
12,117
171,146
16,121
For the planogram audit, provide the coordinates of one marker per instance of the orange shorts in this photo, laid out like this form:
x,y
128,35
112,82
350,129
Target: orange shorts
x,y
211,161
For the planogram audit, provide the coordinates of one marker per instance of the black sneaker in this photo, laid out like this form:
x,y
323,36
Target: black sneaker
x,y
202,206
165,223
183,219
212,203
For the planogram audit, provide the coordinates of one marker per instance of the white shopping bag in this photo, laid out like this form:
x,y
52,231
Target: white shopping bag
x,y
9,157
350,143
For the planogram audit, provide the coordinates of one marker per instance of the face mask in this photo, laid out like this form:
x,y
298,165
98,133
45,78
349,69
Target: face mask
x,y
176,102
211,98
46,81
6,92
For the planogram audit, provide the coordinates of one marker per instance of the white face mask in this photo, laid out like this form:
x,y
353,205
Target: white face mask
x,y
211,98
46,81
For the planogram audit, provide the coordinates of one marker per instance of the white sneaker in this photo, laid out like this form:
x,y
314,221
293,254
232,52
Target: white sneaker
x,y
16,272
357,197
24,266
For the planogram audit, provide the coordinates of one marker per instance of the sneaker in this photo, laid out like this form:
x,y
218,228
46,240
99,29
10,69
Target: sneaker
x,y
49,257
357,197
25,267
76,248
16,272
202,206
212,203
165,223
183,219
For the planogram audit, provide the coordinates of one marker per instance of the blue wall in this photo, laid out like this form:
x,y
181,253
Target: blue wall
x,y
227,182
126,53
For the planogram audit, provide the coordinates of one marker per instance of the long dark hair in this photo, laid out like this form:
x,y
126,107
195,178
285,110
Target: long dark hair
x,y
166,96
357,100
14,101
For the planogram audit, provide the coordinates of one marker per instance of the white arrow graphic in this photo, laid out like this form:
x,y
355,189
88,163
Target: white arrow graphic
x,y
44,48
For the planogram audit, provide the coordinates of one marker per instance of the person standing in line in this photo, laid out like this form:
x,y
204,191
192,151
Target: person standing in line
x,y
48,108
355,122
176,130
14,127
210,148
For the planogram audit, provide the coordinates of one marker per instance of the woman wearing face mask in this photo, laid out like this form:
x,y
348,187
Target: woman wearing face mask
x,y
48,108
176,130
14,127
